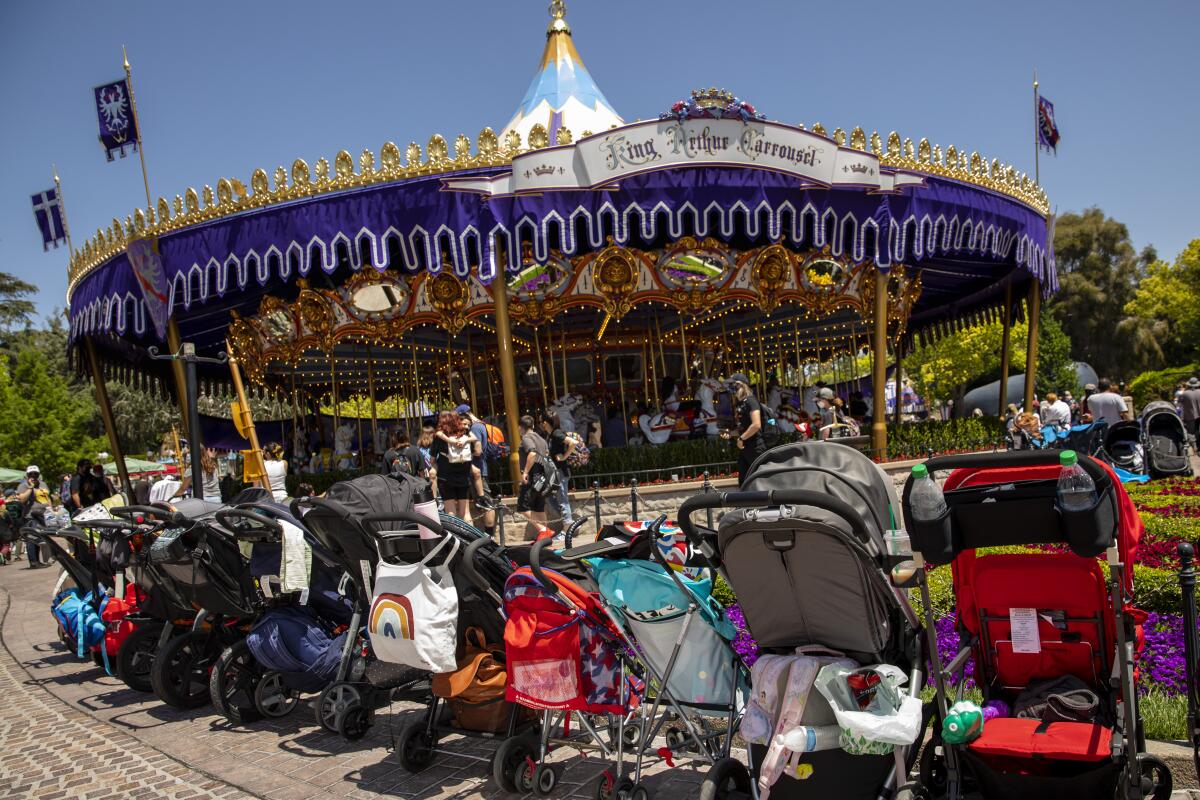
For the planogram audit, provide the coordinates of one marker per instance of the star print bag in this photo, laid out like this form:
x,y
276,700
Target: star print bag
x,y
414,612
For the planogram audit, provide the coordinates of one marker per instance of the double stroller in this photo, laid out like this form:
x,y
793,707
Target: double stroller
x,y
1053,639
802,546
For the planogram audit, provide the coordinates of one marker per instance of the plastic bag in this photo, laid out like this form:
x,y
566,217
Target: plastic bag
x,y
872,714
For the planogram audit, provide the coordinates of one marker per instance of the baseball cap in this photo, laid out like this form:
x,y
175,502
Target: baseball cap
x,y
825,394
739,377
463,409
1091,387
32,468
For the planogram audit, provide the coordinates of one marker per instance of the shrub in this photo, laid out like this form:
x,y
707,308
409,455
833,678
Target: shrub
x,y
1154,384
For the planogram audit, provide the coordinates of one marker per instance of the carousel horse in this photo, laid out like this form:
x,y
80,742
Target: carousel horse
x,y
343,447
565,407
706,395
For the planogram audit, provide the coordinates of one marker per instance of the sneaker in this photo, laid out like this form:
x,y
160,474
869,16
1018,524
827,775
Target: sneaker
x,y
558,542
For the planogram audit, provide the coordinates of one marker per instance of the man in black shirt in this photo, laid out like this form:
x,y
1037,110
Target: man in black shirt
x,y
749,416
403,456
83,486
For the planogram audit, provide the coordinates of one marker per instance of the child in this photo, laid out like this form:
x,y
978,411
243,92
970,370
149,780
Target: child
x,y
466,440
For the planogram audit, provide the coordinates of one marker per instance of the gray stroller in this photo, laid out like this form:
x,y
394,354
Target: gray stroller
x,y
803,549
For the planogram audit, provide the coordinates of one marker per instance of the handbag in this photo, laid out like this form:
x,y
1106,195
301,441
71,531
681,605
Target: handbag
x,y
475,690
458,452
414,612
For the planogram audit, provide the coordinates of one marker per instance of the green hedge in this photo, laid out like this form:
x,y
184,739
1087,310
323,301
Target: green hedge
x,y
1154,384
916,439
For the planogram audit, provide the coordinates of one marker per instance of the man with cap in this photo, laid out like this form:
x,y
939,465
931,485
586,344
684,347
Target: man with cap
x,y
825,411
749,418
34,497
1189,406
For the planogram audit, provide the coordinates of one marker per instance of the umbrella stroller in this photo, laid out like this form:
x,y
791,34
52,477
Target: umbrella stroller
x,y
803,549
1165,441
1053,640
1123,446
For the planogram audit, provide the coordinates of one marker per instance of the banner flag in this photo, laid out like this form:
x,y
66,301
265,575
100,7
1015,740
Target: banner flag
x,y
152,279
114,112
48,213
1047,128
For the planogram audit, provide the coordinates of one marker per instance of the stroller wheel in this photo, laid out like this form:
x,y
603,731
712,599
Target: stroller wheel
x,y
336,698
233,685
607,790
932,771
415,748
272,697
354,722
1156,778
136,657
639,792
180,672
912,791
510,760
545,778
726,779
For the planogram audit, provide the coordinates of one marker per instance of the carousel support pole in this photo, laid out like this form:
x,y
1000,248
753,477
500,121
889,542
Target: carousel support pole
x,y
879,377
796,345
687,369
762,367
415,408
1031,344
337,414
491,393
621,389
362,451
471,376
106,415
566,384
899,383
553,373
174,343
537,345
508,376
1005,350
371,394
236,373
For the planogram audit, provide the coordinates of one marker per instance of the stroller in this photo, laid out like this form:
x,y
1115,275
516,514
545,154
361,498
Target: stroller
x,y
660,592
1165,441
1052,639
354,522
803,548
1123,446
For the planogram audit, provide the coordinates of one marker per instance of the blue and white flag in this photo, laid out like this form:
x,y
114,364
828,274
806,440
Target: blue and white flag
x,y
47,212
114,111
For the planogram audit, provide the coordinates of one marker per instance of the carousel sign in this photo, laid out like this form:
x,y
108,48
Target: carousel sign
x,y
605,158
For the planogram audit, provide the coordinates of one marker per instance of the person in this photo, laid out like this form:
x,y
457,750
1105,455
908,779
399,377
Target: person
x,y
210,489
404,457
1056,412
749,417
82,488
104,486
33,496
1027,431
64,491
561,449
858,406
531,450
1085,414
1106,405
425,441
276,468
465,441
616,432
1189,406
450,470
826,415
483,508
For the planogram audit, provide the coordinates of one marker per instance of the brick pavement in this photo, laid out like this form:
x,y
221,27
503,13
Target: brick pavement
x,y
146,743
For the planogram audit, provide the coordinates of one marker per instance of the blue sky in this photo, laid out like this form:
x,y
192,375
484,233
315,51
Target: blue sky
x,y
224,87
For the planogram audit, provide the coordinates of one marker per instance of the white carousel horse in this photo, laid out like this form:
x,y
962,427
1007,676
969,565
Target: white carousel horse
x,y
565,406
343,449
657,428
706,394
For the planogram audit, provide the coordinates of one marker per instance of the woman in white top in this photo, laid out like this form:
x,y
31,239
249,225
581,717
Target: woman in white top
x,y
210,489
276,469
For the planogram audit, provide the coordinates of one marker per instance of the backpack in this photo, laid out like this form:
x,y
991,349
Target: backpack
x,y
770,425
544,477
580,455
494,446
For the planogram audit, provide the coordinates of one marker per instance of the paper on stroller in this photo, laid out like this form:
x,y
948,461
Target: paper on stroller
x,y
888,719
1023,624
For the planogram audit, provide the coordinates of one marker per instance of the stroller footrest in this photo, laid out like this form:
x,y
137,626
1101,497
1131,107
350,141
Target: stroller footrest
x,y
1031,738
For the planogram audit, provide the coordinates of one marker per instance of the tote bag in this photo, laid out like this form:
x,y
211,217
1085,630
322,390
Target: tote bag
x,y
414,612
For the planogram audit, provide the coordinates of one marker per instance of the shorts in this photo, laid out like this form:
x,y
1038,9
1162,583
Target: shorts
x,y
527,500
449,492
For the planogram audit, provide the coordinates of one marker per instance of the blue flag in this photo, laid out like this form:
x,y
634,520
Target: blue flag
x,y
47,211
114,111
1047,128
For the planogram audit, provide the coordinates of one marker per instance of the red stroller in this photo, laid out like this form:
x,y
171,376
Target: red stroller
x,y
1038,624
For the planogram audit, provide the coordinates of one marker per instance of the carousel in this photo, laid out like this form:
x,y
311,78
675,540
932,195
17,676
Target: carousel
x,y
571,259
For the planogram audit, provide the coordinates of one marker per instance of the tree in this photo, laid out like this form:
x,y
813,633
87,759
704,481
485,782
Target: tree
x,y
15,310
1098,274
1164,314
46,421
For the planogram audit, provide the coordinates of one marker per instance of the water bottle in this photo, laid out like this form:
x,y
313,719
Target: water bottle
x,y
1076,489
809,739
926,499
427,507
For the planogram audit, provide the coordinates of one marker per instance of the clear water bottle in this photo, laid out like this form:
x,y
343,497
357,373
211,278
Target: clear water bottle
x,y
1076,489
926,499
809,739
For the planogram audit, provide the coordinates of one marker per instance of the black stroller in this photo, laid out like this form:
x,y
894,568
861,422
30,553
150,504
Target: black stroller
x,y
1123,446
803,549
1165,441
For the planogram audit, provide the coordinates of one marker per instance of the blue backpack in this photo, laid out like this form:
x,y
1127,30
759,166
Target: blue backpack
x,y
79,616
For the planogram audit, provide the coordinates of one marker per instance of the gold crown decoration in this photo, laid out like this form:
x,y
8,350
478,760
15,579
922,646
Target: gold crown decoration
x,y
712,97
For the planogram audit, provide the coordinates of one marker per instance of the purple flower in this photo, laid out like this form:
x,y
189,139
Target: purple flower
x,y
743,644
947,641
1162,663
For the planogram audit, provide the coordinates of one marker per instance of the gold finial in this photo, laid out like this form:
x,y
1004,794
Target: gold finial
x,y
125,57
558,18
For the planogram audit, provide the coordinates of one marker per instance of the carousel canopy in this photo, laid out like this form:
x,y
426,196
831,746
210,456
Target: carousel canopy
x,y
704,225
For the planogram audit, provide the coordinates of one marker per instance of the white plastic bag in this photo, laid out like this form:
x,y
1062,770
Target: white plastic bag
x,y
886,724
414,613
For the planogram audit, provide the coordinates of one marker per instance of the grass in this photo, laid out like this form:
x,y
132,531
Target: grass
x,y
1164,717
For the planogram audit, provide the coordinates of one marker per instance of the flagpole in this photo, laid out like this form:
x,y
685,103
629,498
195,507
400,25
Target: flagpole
x,y
62,210
1037,121
137,126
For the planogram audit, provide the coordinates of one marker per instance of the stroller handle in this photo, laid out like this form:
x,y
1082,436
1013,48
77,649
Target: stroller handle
x,y
769,499
535,556
420,520
164,514
468,564
228,518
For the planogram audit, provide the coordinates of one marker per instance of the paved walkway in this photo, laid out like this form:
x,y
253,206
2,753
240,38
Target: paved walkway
x,y
70,731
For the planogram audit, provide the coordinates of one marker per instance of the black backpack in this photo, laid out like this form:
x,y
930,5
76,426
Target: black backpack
x,y
770,425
